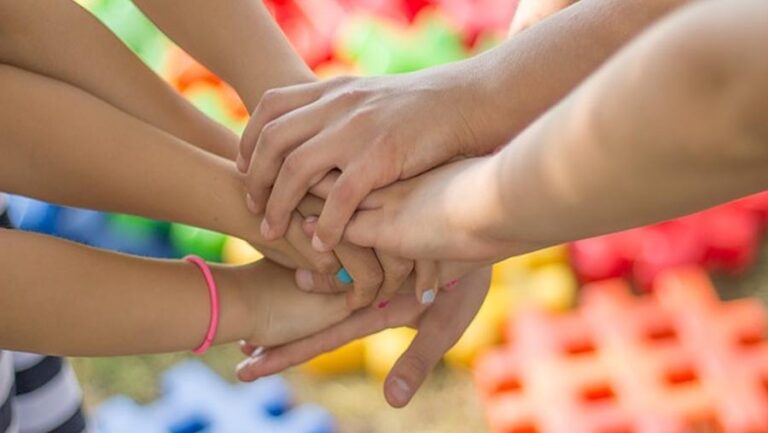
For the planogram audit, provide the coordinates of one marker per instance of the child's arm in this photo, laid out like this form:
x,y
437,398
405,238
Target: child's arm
x,y
673,124
237,40
66,299
63,145
61,40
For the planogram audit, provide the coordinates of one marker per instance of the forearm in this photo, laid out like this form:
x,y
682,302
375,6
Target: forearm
x,y
63,145
62,298
61,40
519,80
239,41
674,124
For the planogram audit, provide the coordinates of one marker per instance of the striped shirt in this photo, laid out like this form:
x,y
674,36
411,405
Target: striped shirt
x,y
38,393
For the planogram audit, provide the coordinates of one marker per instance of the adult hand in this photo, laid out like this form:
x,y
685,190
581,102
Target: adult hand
x,y
443,214
438,329
375,130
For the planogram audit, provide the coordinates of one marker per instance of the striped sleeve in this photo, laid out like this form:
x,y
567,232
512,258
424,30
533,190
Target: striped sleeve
x,y
48,398
7,421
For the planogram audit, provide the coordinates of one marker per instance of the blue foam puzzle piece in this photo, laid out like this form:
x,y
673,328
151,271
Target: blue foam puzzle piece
x,y
33,215
196,400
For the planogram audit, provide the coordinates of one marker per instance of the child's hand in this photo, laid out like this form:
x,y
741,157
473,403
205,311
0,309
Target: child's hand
x,y
281,312
375,130
439,327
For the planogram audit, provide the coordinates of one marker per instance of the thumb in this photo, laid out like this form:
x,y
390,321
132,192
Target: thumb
x,y
413,367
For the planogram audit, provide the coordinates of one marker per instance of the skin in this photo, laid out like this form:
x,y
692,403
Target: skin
x,y
55,39
630,123
120,305
251,53
375,130
501,226
438,328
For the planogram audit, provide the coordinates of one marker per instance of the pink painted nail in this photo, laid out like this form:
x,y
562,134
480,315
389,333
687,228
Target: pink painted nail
x,y
451,284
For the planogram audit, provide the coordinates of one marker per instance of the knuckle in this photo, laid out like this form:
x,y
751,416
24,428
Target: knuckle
x,y
293,164
372,279
351,95
415,364
326,264
346,192
400,268
268,136
363,118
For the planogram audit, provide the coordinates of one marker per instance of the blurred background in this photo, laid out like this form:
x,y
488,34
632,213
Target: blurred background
x,y
491,380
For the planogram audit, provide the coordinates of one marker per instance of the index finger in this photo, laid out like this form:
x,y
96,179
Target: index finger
x,y
272,105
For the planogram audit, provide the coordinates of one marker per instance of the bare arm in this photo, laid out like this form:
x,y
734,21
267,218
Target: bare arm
x,y
61,40
63,298
673,124
64,145
237,40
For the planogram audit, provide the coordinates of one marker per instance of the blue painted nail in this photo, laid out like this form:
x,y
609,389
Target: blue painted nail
x,y
344,276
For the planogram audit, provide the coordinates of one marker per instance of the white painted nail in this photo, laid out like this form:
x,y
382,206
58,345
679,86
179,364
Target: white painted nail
x,y
428,297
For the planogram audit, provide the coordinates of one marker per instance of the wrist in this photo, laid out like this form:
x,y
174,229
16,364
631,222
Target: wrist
x,y
236,318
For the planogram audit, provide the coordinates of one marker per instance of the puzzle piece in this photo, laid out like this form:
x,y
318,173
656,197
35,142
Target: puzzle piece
x,y
196,400
678,361
724,238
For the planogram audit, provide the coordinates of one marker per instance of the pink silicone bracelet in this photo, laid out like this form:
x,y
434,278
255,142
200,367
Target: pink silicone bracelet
x,y
214,292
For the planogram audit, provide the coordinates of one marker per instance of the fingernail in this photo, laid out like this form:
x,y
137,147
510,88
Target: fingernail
x,y
257,352
304,280
256,357
319,245
250,203
240,162
451,284
344,276
382,305
266,230
399,390
428,297
310,219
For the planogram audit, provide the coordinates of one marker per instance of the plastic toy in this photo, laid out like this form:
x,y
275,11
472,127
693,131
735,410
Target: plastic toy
x,y
347,359
478,17
384,47
239,252
725,238
133,28
192,240
677,361
196,400
33,215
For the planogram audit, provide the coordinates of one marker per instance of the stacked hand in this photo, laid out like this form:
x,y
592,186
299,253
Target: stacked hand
x,y
362,144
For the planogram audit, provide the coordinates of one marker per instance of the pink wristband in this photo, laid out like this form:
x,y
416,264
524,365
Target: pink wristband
x,y
214,292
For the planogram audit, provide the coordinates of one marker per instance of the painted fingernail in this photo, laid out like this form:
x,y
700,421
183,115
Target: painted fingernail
x,y
382,305
240,162
256,356
451,284
304,280
251,204
343,276
266,229
428,297
399,390
318,244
